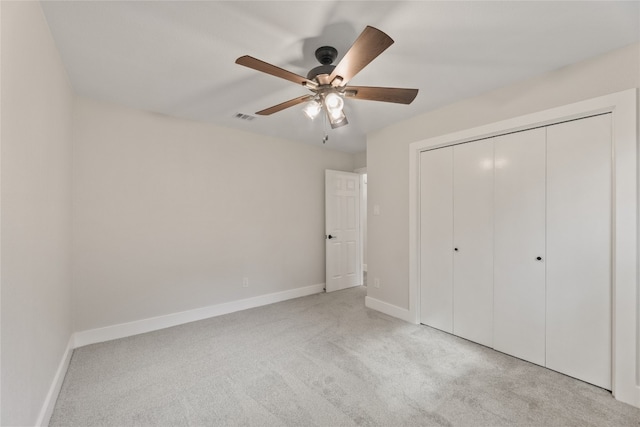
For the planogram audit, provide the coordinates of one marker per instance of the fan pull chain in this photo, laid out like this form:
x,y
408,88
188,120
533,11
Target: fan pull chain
x,y
326,134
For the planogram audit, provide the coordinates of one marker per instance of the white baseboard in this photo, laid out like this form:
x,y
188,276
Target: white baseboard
x,y
386,308
50,401
123,330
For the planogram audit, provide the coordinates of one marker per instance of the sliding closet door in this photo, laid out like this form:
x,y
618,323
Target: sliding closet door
x,y
473,241
436,237
579,249
519,246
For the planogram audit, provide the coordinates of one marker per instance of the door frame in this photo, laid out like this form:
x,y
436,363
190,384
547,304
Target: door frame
x,y
363,215
624,281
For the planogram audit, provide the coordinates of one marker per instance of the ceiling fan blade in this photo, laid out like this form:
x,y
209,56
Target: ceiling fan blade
x,y
284,105
265,67
369,44
384,94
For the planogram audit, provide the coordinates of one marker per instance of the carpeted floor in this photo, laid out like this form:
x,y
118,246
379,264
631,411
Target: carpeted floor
x,y
322,360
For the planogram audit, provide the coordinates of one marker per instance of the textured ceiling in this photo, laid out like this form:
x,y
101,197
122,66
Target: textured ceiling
x,y
177,57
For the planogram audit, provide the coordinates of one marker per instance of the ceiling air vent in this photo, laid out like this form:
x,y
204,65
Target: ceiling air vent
x,y
243,116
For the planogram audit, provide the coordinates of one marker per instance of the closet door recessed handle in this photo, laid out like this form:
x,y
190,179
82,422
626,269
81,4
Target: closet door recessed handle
x,y
455,249
539,258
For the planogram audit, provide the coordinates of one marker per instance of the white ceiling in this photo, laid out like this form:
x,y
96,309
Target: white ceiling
x,y
177,57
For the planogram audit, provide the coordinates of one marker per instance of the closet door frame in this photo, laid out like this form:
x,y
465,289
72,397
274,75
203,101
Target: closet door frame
x,y
624,281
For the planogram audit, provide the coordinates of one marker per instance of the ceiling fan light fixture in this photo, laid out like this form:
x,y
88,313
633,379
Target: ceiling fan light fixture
x,y
336,114
337,119
334,103
312,109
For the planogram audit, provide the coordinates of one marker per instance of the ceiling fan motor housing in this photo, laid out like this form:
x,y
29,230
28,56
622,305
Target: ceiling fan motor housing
x,y
325,55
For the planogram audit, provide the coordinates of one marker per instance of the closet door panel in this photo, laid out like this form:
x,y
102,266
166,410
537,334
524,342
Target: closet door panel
x,y
519,215
579,249
473,238
436,237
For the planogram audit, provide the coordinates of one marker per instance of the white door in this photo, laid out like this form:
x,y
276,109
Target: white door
x,y
436,238
519,245
342,230
579,249
473,241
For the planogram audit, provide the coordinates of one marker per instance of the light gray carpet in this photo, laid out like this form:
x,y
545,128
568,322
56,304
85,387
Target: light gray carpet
x,y
322,360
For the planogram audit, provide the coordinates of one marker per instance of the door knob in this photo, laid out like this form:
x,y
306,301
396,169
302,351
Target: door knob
x,y
539,258
331,237
455,249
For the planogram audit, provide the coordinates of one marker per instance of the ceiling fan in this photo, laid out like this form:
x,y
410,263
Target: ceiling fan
x,y
328,83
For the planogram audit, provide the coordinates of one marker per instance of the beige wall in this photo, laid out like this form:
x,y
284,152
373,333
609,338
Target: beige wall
x,y
360,160
36,211
170,215
388,153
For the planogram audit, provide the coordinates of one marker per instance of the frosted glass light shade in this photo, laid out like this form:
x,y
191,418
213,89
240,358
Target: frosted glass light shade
x,y
334,102
312,109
